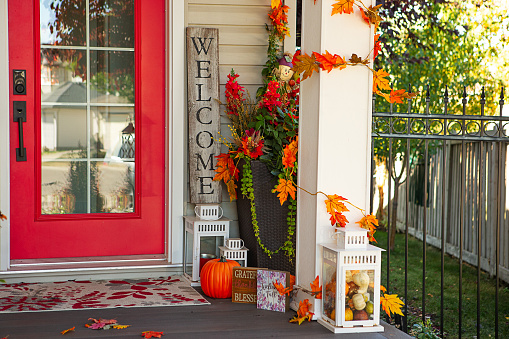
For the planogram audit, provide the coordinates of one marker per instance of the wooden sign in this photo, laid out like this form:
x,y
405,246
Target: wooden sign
x,y
267,296
203,113
244,285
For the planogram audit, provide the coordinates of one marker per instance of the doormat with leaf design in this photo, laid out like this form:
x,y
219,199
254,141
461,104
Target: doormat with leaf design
x,y
78,295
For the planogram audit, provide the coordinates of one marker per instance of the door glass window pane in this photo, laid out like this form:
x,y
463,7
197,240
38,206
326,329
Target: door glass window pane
x,y
63,131
111,77
87,106
112,133
63,23
112,23
114,192
63,75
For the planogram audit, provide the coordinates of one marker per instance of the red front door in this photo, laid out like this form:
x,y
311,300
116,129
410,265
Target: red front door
x,y
89,179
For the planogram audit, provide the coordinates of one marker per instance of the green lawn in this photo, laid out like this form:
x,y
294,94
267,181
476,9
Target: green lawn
x,y
451,289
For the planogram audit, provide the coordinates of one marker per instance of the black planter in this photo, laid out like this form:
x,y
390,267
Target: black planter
x,y
272,221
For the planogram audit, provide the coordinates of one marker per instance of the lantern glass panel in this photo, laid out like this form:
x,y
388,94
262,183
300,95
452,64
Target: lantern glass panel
x,y
188,260
360,296
329,274
210,244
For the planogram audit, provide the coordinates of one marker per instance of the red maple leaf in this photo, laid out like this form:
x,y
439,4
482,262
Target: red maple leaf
x,y
328,61
151,334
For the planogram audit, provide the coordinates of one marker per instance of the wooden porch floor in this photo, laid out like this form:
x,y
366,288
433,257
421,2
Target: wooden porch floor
x,y
221,319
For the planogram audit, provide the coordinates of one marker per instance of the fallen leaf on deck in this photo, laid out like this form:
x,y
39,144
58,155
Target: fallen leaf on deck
x,y
68,330
151,334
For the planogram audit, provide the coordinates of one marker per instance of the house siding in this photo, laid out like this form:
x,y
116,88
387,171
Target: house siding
x,y
243,47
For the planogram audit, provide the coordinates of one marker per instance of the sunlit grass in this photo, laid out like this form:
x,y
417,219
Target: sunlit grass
x,y
451,289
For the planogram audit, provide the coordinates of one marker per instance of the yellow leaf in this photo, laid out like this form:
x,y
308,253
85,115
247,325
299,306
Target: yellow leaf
x,y
380,81
120,327
383,289
391,304
275,3
343,6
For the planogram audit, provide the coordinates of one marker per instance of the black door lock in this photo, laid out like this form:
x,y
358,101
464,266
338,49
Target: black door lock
x,y
19,80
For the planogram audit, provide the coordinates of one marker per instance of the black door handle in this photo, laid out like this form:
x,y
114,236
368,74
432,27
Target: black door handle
x,y
19,115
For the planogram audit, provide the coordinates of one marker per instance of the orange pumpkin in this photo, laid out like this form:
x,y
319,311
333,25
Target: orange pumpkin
x,y
216,278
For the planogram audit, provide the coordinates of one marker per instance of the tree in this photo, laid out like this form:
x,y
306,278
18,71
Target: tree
x,y
439,43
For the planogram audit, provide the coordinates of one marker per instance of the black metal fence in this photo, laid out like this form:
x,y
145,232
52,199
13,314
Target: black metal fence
x,y
446,187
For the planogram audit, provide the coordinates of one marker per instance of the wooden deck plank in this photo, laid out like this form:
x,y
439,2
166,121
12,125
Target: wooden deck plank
x,y
221,319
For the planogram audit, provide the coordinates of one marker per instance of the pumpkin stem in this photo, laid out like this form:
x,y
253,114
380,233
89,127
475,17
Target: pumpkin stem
x,y
223,259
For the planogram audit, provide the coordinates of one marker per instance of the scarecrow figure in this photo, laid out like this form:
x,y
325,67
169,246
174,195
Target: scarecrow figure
x,y
284,71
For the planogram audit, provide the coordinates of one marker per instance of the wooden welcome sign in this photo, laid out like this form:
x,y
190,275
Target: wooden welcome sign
x,y
203,113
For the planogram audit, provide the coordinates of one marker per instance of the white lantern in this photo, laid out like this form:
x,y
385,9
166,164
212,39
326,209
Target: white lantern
x,y
202,239
350,278
238,255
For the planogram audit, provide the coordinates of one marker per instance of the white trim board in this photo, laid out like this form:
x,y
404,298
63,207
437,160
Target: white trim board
x,y
131,272
177,125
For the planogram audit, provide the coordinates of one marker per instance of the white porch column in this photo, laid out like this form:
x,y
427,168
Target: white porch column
x,y
335,129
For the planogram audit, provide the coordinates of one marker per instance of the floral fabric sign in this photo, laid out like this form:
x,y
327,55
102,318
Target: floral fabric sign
x,y
268,297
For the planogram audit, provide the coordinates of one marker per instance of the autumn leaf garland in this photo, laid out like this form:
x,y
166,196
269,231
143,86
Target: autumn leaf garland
x,y
308,64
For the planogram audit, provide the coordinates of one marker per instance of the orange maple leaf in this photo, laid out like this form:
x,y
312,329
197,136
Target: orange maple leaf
x,y
369,222
292,280
281,289
306,64
328,61
294,145
151,334
380,81
316,289
397,96
334,204
289,158
222,170
383,289
2,216
391,304
231,186
284,188
343,6
303,312
68,330
303,308
338,218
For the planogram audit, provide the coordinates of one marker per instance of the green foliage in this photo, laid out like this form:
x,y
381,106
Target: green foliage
x,y
424,330
451,294
456,44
